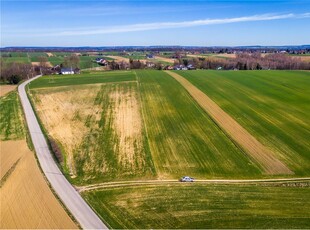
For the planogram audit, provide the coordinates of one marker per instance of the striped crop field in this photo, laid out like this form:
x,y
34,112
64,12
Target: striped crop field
x,y
182,137
274,106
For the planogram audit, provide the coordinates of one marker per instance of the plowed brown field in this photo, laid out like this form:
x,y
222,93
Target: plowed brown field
x,y
26,199
262,155
4,89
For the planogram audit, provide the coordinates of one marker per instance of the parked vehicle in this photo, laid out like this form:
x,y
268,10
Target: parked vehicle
x,y
187,179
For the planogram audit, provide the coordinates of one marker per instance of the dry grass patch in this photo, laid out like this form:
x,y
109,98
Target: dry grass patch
x,y
49,54
118,58
99,127
48,64
26,199
63,111
169,60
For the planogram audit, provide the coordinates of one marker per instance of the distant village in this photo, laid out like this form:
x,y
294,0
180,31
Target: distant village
x,y
64,61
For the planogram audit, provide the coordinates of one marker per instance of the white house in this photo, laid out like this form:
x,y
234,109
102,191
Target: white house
x,y
66,71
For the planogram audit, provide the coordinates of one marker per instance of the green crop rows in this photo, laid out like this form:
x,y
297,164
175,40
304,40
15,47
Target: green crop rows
x,y
183,139
274,106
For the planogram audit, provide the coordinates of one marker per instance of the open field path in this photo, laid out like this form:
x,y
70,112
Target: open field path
x,y
169,182
65,191
260,153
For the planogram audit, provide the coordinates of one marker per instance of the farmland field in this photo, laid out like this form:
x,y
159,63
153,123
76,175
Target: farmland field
x,y
16,59
210,206
80,79
183,139
273,106
26,200
11,121
137,126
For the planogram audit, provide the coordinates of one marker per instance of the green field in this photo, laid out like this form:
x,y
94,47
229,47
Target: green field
x,y
144,125
274,106
183,139
203,206
11,121
55,60
80,79
16,59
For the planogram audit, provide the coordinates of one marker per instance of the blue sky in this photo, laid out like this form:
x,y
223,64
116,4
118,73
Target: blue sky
x,y
126,22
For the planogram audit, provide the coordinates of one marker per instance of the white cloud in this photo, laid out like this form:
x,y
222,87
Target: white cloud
x,y
169,25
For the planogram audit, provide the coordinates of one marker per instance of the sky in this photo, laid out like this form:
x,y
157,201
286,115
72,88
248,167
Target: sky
x,y
145,23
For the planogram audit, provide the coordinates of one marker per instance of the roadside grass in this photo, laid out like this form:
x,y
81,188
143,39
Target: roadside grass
x,y
197,206
79,79
182,138
273,106
11,120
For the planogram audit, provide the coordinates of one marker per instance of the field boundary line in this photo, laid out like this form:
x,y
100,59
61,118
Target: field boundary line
x,y
162,182
263,156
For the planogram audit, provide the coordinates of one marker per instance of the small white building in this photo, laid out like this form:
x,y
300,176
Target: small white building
x,y
66,71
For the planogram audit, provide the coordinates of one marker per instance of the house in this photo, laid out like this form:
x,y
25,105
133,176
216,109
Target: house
x,y
168,67
56,69
180,67
66,71
150,56
191,67
101,61
150,64
69,71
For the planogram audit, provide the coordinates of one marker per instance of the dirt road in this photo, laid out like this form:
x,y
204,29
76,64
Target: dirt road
x,y
170,182
257,151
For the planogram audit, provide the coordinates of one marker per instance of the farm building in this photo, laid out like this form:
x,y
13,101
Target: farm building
x,y
102,61
69,71
150,56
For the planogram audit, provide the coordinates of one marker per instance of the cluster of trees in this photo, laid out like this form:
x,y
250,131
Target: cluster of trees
x,y
133,64
72,61
249,61
15,72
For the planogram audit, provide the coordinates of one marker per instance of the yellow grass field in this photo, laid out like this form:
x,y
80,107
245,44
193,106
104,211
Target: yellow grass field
x,y
169,60
74,115
4,89
119,58
48,64
26,200
69,107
